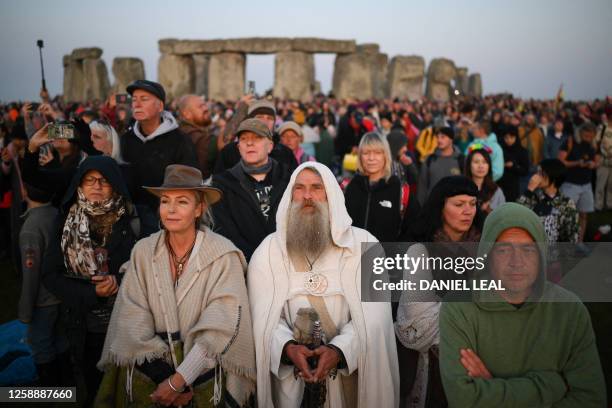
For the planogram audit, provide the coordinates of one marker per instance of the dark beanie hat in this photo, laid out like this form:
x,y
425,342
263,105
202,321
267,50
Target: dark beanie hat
x,y
448,131
397,139
451,186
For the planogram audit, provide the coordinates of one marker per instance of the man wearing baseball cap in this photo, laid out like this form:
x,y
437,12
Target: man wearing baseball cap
x,y
263,110
252,189
152,143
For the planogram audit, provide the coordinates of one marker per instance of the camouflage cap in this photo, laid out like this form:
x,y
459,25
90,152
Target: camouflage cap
x,y
256,126
261,106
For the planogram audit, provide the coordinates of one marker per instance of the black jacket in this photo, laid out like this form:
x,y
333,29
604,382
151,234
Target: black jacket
x,y
376,208
148,161
238,216
79,296
510,181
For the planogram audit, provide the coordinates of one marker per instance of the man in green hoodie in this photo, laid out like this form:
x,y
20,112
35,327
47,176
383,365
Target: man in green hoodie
x,y
531,345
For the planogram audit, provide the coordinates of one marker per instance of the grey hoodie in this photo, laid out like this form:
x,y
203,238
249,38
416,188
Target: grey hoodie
x,y
168,123
435,168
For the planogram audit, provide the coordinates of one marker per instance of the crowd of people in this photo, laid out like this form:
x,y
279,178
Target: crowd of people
x,y
187,251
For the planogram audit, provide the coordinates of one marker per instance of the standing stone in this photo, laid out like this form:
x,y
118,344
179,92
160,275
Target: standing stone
x,y
73,79
475,85
406,75
352,76
461,80
380,64
126,70
176,73
96,79
201,63
294,75
361,75
226,73
441,71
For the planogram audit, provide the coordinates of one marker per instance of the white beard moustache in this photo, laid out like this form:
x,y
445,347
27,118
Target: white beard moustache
x,y
308,234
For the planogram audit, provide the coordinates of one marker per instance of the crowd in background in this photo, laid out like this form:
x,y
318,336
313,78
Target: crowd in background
x,y
398,163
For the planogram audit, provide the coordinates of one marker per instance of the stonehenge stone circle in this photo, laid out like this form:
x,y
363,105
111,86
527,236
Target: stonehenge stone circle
x,y
406,75
216,68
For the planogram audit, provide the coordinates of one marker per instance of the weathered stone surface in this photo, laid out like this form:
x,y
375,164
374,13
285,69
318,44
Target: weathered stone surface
x,y
294,75
226,73
90,53
255,45
201,63
461,80
441,71
360,75
96,84
73,79
379,75
176,73
406,74
322,46
369,48
166,45
475,85
126,70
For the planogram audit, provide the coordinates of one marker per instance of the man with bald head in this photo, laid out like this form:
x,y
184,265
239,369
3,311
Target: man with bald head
x,y
194,122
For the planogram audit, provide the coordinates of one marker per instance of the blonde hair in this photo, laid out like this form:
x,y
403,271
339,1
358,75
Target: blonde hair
x,y
111,136
375,141
206,219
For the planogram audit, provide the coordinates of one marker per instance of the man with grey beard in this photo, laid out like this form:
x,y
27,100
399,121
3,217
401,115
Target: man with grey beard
x,y
313,261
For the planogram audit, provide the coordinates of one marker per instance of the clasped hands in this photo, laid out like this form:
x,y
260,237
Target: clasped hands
x,y
327,360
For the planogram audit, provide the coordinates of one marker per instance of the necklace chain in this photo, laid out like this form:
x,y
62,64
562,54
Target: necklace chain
x,y
179,263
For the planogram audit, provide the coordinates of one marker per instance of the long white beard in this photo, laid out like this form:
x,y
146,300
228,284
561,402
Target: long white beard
x,y
308,233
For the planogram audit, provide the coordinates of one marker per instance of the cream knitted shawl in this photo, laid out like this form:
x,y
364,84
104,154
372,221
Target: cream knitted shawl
x,y
210,307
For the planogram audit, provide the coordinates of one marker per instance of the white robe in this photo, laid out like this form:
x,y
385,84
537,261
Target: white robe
x,y
366,334
287,391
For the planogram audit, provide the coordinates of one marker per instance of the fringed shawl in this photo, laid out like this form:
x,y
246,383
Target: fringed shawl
x,y
210,307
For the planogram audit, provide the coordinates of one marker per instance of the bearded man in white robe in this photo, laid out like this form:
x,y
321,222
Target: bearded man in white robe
x,y
313,260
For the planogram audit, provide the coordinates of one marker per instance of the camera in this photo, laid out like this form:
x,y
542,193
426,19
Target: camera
x,y
61,131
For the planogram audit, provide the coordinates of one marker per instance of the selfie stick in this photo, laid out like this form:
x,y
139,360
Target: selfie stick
x,y
40,45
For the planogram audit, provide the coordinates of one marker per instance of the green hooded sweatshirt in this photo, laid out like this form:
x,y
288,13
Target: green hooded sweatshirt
x,y
540,354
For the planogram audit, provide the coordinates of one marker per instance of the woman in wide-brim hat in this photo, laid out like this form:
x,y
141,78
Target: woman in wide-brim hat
x,y
181,328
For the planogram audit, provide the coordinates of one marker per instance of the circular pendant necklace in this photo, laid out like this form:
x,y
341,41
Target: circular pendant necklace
x,y
314,283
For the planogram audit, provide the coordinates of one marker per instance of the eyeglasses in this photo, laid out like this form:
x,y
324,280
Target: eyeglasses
x,y
91,180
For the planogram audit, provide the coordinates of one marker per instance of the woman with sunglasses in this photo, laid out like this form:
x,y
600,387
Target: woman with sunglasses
x,y
95,236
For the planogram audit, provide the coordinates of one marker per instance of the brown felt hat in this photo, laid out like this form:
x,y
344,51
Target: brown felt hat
x,y
181,177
